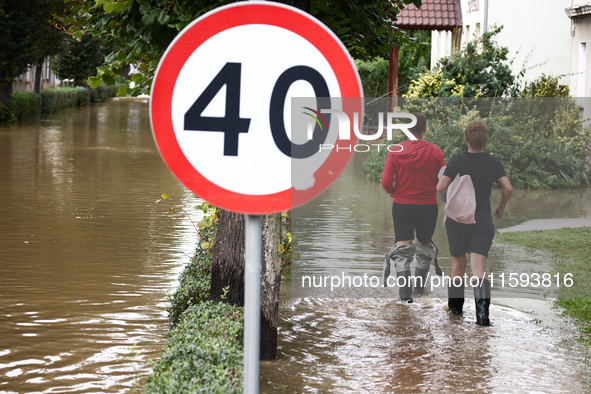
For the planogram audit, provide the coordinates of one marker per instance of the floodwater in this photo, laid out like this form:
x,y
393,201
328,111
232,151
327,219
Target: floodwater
x,y
86,257
357,341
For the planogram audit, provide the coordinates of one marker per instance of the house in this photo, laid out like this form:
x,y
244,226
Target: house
x,y
579,13
442,17
26,81
535,31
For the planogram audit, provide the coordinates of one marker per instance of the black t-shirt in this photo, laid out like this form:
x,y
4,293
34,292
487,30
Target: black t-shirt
x,y
483,168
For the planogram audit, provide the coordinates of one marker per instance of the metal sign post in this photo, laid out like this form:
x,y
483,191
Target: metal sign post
x,y
252,301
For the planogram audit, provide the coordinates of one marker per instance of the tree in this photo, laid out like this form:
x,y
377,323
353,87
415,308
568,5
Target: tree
x,y
145,29
17,40
80,59
30,30
50,34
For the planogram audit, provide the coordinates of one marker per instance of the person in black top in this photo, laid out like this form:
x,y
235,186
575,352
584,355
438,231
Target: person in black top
x,y
476,239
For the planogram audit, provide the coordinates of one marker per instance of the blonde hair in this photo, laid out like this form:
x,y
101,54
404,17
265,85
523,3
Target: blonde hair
x,y
476,135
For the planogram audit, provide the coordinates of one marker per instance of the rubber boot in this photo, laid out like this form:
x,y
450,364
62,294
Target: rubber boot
x,y
420,280
482,302
455,296
402,256
386,270
404,286
422,260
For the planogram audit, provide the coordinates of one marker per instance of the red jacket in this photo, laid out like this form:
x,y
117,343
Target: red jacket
x,y
411,174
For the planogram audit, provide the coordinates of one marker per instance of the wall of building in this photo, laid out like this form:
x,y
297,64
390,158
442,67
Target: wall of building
x,y
536,32
26,82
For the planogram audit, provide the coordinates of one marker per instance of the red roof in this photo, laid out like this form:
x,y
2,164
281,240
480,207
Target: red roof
x,y
433,15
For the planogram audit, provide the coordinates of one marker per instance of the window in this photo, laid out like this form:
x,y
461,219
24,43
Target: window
x,y
581,88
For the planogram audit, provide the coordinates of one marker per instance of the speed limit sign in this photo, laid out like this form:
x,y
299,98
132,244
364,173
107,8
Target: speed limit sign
x,y
222,114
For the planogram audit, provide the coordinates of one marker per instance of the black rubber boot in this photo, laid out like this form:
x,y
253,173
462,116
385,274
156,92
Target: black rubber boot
x,y
405,286
455,296
420,280
482,302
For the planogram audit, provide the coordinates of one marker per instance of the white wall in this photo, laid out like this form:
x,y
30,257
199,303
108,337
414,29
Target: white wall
x,y
536,32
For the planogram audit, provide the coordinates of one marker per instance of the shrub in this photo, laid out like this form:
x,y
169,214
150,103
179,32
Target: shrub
x,y
194,285
26,104
204,352
481,69
54,100
540,141
103,92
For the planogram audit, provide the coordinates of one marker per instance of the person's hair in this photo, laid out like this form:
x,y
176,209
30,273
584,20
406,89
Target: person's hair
x,y
476,135
421,125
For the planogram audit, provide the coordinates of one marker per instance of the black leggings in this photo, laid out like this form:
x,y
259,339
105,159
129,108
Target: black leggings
x,y
411,218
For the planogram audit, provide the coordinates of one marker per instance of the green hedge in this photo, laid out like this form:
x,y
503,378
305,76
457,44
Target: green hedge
x,y
55,100
204,352
24,105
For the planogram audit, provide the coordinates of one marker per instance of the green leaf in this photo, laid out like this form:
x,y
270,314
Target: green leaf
x,y
108,80
137,78
94,82
109,6
122,90
102,70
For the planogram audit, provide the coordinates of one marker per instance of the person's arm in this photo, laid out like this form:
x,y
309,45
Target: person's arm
x,y
505,196
443,183
389,175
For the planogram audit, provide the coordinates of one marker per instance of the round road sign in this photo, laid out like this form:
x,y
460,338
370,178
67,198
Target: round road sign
x,y
224,109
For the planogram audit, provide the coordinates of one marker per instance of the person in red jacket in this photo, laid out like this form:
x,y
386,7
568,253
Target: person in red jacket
x,y
410,176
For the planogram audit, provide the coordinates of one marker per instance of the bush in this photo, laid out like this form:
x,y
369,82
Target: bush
x,y
55,100
104,92
204,352
194,286
481,69
22,105
540,141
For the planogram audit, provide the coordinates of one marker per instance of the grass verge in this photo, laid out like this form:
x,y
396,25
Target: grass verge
x,y
571,253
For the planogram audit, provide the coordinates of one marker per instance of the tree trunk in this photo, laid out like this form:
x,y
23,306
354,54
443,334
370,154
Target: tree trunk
x,y
270,282
227,269
228,272
38,75
5,91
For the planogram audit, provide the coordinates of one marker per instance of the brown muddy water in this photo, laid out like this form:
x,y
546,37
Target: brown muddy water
x,y
370,342
86,257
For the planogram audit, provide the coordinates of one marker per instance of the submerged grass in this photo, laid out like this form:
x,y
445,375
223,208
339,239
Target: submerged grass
x,y
571,254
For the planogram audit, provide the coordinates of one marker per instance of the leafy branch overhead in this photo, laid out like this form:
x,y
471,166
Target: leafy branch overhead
x,y
143,29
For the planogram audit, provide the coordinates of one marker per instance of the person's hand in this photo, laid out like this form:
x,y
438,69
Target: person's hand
x,y
444,220
499,212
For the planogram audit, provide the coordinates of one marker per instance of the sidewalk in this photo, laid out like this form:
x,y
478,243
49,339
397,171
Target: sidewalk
x,y
548,224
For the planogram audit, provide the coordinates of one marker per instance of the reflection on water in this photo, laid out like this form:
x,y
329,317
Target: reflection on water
x,y
86,257
373,344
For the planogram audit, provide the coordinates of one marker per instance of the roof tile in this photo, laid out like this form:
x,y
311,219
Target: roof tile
x,y
433,15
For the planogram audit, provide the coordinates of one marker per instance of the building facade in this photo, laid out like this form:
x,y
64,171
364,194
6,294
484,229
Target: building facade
x,y
536,32
26,81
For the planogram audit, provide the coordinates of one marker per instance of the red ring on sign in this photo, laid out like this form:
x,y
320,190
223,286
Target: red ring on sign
x,y
195,35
